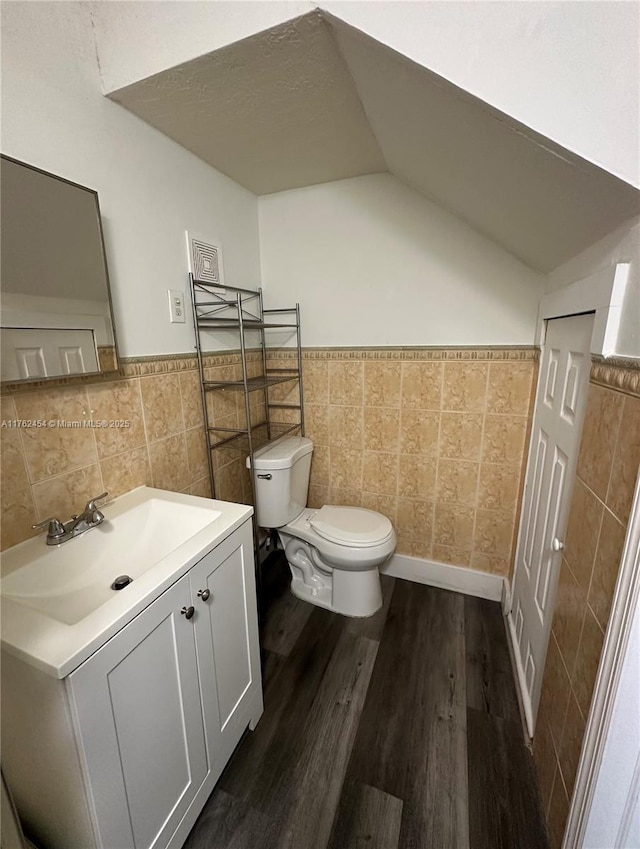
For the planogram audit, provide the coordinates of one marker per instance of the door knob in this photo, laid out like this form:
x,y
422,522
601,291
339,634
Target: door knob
x,y
188,612
557,544
204,594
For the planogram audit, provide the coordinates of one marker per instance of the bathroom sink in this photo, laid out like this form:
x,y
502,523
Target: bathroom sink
x,y
69,581
58,600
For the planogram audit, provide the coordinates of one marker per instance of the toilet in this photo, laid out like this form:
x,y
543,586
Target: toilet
x,y
334,552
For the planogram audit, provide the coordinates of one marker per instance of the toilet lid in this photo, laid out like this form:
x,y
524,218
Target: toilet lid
x,y
351,526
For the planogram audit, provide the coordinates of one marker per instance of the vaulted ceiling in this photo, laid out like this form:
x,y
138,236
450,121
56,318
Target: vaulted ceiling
x,y
315,100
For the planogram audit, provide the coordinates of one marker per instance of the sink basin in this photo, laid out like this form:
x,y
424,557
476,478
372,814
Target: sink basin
x,y
69,581
57,602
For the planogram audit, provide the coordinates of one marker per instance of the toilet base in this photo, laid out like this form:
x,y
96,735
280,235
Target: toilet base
x,y
320,596
336,577
354,594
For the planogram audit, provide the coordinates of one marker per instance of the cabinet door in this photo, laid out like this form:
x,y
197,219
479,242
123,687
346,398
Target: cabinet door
x,y
137,705
227,640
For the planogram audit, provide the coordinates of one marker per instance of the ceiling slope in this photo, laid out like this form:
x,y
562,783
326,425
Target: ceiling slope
x,y
315,100
274,111
539,201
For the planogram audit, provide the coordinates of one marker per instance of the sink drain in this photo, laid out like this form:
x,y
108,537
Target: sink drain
x,y
121,582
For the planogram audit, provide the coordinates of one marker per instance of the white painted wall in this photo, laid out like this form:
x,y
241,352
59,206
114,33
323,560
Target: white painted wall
x,y
373,262
151,190
622,245
570,70
40,311
141,37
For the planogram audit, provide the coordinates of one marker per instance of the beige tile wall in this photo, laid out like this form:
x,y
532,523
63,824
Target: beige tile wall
x,y
226,409
607,468
432,438
48,471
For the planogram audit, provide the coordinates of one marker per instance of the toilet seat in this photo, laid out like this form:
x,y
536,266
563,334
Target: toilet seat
x,y
352,526
339,555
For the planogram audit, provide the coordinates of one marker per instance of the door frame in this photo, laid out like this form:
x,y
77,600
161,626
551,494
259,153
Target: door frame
x,y
601,293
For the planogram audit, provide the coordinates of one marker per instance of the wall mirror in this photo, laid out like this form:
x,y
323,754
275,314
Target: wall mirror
x,y
55,303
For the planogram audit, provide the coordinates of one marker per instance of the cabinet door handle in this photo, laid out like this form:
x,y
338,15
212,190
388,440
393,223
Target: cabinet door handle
x,y
204,594
188,612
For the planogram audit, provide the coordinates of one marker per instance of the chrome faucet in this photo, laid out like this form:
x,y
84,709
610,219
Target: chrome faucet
x,y
58,532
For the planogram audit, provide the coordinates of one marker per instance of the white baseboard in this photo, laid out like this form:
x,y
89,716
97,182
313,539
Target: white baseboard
x,y
456,578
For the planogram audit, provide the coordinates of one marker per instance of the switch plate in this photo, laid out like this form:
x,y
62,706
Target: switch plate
x,y
176,307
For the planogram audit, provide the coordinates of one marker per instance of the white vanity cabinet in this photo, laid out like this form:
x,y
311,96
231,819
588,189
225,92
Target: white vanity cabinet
x,y
154,714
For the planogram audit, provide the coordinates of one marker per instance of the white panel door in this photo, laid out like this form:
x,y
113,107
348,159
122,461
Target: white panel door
x,y
137,703
555,439
45,352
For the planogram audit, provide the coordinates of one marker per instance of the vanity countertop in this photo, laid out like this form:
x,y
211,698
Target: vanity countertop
x,y
58,606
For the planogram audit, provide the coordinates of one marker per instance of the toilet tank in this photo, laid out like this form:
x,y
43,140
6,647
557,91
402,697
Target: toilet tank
x,y
281,480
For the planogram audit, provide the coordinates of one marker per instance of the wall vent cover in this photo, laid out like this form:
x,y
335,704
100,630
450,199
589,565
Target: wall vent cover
x,y
205,259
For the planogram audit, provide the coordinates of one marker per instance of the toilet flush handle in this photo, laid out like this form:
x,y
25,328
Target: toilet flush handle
x,y
265,477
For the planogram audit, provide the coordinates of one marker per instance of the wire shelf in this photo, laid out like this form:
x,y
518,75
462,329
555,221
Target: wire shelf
x,y
253,383
222,307
261,434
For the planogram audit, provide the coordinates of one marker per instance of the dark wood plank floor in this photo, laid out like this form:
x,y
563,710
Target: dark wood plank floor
x,y
396,732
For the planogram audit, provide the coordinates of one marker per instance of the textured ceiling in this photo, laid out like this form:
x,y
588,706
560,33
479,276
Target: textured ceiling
x,y
275,111
314,100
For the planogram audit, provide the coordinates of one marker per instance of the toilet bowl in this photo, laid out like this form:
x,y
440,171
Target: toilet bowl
x,y
333,552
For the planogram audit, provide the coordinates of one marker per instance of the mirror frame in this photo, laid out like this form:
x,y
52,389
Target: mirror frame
x,y
65,377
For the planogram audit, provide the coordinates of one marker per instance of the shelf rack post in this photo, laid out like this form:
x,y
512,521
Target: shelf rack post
x,y
203,393
263,345
226,308
299,346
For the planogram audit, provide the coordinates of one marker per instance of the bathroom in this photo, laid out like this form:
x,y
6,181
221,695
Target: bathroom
x,y
420,260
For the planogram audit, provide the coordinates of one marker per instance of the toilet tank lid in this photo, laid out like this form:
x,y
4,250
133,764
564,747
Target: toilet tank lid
x,y
282,453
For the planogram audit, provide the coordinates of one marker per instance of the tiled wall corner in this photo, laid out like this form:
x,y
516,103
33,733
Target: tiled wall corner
x,y
608,463
433,438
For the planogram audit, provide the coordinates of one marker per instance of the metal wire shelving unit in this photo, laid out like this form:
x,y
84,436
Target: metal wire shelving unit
x,y
221,307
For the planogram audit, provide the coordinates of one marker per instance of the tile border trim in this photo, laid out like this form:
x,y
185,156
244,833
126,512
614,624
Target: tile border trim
x,y
135,367
420,353
144,366
617,373
169,363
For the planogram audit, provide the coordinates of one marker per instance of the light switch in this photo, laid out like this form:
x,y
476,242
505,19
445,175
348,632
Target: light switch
x,y
176,306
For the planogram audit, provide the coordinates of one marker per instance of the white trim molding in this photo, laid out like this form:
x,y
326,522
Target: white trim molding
x,y
625,601
459,579
602,293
